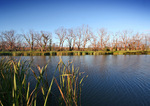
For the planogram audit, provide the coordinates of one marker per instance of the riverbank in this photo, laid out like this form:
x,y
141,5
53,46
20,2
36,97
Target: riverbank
x,y
76,53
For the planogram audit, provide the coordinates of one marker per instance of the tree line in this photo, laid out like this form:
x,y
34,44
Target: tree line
x,y
81,38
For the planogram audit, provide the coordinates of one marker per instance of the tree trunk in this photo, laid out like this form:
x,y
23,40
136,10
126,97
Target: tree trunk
x,y
78,47
41,49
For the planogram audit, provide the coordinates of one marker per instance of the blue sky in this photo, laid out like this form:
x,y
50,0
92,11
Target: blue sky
x,y
114,15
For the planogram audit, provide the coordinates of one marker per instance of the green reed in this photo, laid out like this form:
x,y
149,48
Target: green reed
x,y
15,84
70,83
13,78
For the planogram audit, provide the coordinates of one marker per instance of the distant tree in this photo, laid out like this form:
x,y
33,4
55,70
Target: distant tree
x,y
19,43
94,42
103,38
30,39
42,38
86,32
71,38
138,38
115,40
74,40
79,38
46,37
2,43
147,41
50,44
61,33
125,39
10,38
54,46
39,41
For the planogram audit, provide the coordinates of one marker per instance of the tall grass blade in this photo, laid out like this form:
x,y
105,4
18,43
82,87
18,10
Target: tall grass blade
x,y
50,87
15,86
1,103
61,92
27,96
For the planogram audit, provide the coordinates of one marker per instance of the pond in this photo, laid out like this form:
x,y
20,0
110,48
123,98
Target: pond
x,y
113,80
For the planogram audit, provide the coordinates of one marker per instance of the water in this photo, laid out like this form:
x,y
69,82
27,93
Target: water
x,y
122,80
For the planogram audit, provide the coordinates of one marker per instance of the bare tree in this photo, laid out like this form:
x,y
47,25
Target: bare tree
x,y
19,43
71,38
106,39
115,40
135,42
46,37
2,44
103,38
138,38
94,42
125,38
42,39
79,38
147,41
61,33
10,38
39,41
50,44
30,38
86,32
132,44
74,41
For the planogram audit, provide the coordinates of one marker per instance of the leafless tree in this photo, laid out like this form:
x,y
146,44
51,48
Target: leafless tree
x,y
138,39
61,33
79,38
46,37
148,40
50,44
115,40
71,38
103,38
125,38
39,41
94,42
19,43
2,43
30,39
74,40
86,32
10,38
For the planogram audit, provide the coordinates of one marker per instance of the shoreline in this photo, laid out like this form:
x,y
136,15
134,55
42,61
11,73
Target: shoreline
x,y
72,53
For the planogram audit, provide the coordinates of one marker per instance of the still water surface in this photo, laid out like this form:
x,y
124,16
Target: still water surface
x,y
122,80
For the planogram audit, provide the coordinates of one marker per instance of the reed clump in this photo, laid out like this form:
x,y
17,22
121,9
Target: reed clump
x,y
70,83
15,85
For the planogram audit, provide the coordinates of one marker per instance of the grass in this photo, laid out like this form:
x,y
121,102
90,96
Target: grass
x,y
132,52
59,53
15,84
